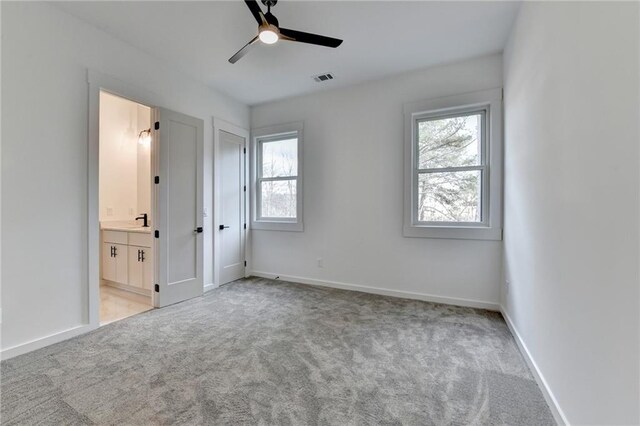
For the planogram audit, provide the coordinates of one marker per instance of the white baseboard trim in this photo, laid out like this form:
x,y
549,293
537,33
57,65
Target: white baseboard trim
x,y
45,341
210,286
557,412
384,291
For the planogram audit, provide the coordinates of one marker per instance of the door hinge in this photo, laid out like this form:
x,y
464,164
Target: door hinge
x,y
157,288
156,234
245,188
157,125
156,180
245,263
245,226
244,150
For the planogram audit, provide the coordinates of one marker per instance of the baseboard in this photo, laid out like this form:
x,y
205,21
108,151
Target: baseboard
x,y
208,287
45,341
384,291
557,412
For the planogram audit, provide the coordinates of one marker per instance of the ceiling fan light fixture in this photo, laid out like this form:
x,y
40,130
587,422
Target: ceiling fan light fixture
x,y
268,35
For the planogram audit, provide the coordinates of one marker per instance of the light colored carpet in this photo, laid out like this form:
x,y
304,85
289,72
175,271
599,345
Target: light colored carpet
x,y
268,352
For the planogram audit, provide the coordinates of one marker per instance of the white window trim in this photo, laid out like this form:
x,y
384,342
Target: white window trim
x,y
276,224
491,226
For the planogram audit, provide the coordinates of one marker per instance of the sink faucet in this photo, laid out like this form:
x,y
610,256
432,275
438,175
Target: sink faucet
x,y
144,218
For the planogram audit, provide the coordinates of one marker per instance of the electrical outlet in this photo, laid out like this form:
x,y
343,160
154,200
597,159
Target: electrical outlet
x,y
320,262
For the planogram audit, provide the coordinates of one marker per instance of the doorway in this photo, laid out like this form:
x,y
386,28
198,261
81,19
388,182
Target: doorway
x,y
125,208
174,257
150,177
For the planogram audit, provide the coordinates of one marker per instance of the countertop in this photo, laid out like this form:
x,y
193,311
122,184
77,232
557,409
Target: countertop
x,y
124,227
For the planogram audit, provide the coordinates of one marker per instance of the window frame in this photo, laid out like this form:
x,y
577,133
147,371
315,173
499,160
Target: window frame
x,y
266,135
488,103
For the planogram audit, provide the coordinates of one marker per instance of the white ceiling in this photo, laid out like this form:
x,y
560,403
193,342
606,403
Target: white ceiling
x,y
380,38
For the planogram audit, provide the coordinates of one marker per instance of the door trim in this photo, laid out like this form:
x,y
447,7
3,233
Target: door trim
x,y
97,82
222,125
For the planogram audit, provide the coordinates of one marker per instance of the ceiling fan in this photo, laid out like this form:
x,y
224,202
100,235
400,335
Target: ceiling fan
x,y
269,31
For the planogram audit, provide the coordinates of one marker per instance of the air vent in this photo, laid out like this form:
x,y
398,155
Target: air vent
x,y
323,77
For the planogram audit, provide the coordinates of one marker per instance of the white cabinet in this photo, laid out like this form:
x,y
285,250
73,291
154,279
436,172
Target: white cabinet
x,y
140,270
108,262
127,259
114,262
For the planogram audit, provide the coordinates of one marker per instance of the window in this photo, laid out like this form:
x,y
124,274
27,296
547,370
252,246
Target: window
x,y
453,167
278,178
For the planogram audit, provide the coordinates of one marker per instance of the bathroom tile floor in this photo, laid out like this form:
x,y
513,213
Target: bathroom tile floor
x,y
116,304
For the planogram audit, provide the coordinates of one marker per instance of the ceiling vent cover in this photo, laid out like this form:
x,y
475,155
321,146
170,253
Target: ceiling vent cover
x,y
323,77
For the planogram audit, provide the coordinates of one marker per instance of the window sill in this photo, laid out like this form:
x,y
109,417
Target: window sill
x,y
265,225
454,232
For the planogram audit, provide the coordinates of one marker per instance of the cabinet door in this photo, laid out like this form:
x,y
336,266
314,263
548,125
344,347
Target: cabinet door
x,y
122,262
108,262
136,270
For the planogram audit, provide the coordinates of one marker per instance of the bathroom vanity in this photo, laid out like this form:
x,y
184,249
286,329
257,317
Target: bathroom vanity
x,y
127,258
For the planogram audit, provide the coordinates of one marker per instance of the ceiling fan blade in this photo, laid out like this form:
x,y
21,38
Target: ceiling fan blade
x,y
242,51
256,11
303,37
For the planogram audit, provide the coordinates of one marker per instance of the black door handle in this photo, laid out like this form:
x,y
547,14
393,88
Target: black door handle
x,y
198,230
112,254
141,255
222,227
138,255
115,251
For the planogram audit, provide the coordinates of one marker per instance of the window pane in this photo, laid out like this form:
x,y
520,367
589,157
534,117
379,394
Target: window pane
x,y
280,158
450,142
449,196
278,199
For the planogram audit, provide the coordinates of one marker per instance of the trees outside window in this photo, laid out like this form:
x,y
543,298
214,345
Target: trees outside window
x,y
278,176
450,168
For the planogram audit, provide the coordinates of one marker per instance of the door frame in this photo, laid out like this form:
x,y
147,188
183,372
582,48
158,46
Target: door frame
x,y
222,125
98,82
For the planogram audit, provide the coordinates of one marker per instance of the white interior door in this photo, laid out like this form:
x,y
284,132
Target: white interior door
x,y
179,164
231,200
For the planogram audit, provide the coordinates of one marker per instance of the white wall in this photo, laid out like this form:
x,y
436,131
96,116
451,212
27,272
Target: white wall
x,y
571,202
144,179
45,57
353,171
120,158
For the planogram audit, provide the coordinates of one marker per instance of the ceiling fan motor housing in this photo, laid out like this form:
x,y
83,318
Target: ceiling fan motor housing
x,y
269,3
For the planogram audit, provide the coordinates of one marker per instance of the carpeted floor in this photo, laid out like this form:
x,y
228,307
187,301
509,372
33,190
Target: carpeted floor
x,y
269,352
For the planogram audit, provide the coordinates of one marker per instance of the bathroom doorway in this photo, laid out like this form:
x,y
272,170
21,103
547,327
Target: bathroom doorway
x,y
125,208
